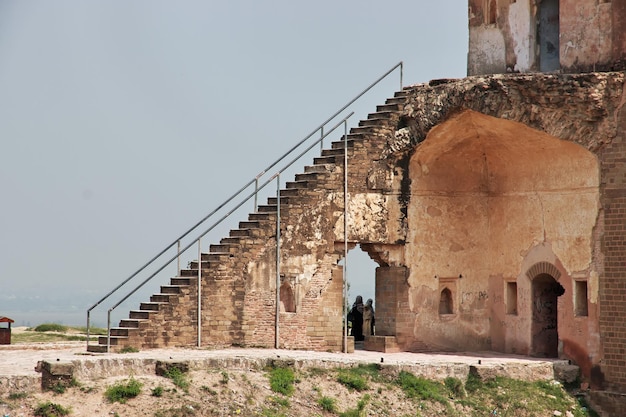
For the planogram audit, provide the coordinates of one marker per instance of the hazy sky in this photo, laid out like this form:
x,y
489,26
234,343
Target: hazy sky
x,y
122,123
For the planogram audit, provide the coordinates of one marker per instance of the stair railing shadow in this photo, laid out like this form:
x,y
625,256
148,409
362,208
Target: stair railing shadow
x,y
258,186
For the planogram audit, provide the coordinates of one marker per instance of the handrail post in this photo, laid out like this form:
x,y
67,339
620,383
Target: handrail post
x,y
401,75
109,331
178,259
277,342
88,314
321,139
256,193
199,292
345,234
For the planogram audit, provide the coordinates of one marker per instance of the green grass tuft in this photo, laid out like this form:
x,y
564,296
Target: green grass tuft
x,y
328,404
51,327
49,409
352,379
420,388
179,378
124,390
281,380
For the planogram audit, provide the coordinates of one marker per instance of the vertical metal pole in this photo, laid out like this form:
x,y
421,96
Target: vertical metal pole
x,y
256,193
401,73
345,234
199,301
88,313
109,331
277,344
178,260
322,140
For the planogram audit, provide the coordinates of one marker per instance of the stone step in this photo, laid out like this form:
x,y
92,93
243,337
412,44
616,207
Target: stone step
x,y
370,122
388,107
160,298
317,169
381,115
260,217
299,184
272,201
233,241
289,192
333,152
351,140
400,101
307,177
180,281
170,289
190,272
114,340
249,225
221,248
324,160
270,208
240,232
150,306
362,130
97,348
213,257
130,323
193,265
139,314
119,331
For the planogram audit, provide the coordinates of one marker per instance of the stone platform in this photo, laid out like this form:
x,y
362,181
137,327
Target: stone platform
x,y
18,363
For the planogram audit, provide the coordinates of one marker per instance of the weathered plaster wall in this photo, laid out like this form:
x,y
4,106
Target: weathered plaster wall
x,y
592,36
484,191
586,34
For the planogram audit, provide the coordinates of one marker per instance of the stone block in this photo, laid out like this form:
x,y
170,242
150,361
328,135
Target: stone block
x,y
162,368
55,374
566,373
387,344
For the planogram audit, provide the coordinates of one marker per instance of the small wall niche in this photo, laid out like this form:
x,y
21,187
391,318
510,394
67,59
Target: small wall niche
x,y
581,306
287,299
446,305
447,295
511,298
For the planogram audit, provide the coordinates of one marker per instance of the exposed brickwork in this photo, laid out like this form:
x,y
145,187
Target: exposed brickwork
x,y
612,373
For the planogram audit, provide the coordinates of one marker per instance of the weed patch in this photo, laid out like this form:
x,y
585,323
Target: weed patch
x,y
122,391
51,327
351,379
17,395
421,389
328,404
281,380
49,409
359,411
179,378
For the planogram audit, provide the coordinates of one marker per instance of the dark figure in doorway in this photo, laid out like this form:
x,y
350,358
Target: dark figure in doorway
x,y
357,318
368,318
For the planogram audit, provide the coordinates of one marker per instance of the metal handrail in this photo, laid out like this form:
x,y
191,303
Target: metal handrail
x,y
254,194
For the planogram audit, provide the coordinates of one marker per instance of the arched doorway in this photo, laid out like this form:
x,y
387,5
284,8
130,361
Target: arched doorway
x,y
545,291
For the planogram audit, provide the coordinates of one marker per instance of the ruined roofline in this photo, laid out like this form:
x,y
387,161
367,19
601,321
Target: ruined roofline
x,y
578,107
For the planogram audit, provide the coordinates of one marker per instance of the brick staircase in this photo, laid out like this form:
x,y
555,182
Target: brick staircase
x,y
159,322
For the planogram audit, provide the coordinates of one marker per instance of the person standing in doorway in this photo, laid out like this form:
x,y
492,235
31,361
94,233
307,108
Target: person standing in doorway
x,y
368,318
357,318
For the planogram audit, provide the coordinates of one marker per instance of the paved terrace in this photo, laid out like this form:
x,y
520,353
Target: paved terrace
x,y
17,362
